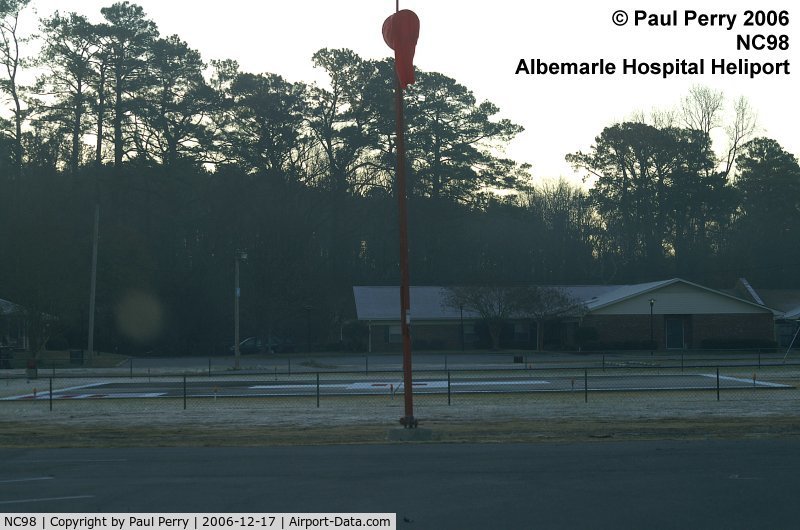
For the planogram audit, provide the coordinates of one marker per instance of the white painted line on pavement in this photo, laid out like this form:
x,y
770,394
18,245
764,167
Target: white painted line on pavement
x,y
464,383
32,479
45,394
71,461
747,381
45,499
262,387
372,386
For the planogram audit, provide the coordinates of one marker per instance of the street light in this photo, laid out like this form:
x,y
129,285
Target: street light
x,y
461,308
307,308
239,255
652,301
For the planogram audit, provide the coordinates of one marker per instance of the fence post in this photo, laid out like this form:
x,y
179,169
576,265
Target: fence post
x,y
586,385
184,392
209,367
51,393
604,363
366,365
717,383
317,389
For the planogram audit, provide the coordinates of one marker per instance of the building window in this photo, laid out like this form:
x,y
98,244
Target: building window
x,y
395,335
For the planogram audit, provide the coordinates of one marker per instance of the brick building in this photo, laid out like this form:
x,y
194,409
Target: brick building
x,y
679,315
675,314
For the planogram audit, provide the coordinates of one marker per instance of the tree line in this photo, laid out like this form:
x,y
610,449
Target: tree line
x,y
191,161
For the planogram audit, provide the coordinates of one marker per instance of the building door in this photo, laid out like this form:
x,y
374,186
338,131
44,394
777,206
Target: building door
x,y
674,333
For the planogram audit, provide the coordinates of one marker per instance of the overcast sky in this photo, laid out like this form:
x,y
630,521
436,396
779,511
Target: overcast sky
x,y
480,45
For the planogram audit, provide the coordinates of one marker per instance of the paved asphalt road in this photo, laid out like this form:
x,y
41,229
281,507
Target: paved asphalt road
x,y
698,484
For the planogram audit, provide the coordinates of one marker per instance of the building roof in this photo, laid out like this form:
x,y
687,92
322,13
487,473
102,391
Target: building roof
x,y
10,308
383,303
427,303
630,291
786,301
622,292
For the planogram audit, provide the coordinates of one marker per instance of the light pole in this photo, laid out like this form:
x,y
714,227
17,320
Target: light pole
x,y
93,284
307,309
652,301
461,308
239,255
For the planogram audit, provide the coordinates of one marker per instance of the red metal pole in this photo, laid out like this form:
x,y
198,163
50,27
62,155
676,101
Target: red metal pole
x,y
405,303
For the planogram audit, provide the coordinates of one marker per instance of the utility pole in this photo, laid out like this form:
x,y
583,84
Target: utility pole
x,y
239,256
652,302
461,308
93,284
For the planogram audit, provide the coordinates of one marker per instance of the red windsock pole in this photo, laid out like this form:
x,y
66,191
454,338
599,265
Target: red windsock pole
x,y
400,31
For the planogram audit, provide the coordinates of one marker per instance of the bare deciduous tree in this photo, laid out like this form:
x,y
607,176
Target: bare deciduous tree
x,y
743,127
659,118
543,303
702,108
494,303
498,304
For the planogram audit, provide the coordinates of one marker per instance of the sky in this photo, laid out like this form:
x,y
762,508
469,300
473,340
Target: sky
x,y
480,44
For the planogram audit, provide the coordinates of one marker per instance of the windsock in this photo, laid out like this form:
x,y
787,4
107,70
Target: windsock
x,y
401,31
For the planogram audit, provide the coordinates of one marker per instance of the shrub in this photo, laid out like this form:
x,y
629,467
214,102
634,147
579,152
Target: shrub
x,y
57,343
738,344
586,335
619,345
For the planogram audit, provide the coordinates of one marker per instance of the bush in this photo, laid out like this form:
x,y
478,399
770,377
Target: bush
x,y
436,344
739,344
619,345
355,335
586,335
427,344
57,343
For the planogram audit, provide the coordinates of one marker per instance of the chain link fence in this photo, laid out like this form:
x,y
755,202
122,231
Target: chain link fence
x,y
287,388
